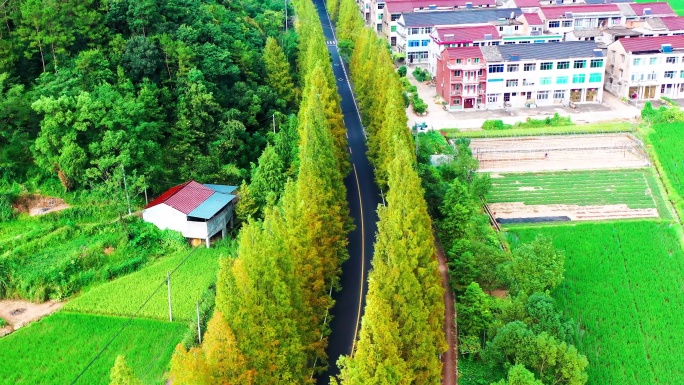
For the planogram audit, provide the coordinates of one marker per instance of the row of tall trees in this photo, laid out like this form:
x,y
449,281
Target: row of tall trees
x,y
168,90
271,319
402,335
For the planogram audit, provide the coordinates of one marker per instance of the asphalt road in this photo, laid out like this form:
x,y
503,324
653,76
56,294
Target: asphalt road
x,y
363,197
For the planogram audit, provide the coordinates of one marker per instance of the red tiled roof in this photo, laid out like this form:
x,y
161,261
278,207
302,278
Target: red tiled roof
x,y
661,8
649,44
673,23
465,34
462,52
526,3
412,5
184,197
533,19
557,12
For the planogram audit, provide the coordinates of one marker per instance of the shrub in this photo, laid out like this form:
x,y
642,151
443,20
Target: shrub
x,y
419,106
6,210
421,75
495,124
402,71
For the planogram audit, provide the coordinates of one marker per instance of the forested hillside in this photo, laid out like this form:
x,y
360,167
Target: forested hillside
x,y
163,90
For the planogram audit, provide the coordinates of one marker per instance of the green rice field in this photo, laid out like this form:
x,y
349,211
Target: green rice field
x,y
623,284
55,349
638,188
124,296
669,147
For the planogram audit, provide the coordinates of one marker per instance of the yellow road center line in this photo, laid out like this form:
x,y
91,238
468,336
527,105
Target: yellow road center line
x,y
363,258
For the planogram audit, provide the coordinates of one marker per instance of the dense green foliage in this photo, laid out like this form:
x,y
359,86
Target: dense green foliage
x,y
54,256
669,158
124,296
64,342
636,188
622,285
665,114
162,89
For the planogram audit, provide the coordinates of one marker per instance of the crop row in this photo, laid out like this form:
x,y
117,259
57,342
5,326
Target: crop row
x,y
623,286
55,349
669,147
124,295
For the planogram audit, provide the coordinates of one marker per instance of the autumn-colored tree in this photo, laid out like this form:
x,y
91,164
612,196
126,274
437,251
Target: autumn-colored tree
x,y
122,374
278,71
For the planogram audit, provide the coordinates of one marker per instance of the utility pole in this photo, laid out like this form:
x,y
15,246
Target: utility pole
x,y
274,123
199,330
128,200
168,285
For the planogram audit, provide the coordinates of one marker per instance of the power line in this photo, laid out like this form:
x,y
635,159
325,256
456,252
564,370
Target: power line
x,y
130,319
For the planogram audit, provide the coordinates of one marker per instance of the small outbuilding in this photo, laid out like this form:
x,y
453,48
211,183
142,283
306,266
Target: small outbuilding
x,y
198,211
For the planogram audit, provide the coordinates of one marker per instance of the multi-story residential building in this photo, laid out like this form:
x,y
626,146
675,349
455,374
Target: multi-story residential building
x,y
646,67
394,9
365,7
414,29
462,77
521,75
567,18
442,38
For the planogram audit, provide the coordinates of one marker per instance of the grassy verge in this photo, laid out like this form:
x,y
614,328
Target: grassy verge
x,y
622,284
55,349
595,128
123,296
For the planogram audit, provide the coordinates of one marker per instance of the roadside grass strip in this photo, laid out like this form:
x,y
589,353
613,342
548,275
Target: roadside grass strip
x,y
638,189
124,295
55,349
623,284
595,128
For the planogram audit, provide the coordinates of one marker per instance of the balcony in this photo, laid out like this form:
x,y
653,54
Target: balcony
x,y
467,93
471,80
463,66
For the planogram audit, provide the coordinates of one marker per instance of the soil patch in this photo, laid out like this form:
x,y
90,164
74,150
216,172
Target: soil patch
x,y
518,211
35,204
559,152
498,293
19,313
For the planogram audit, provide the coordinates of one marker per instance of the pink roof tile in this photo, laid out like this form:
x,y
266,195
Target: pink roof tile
x,y
526,3
673,23
404,6
463,34
648,44
463,52
533,19
185,197
661,8
556,12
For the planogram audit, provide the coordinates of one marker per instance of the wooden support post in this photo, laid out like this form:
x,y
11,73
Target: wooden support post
x,y
199,327
168,285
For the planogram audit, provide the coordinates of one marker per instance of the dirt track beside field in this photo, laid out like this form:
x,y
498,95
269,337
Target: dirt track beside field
x,y
18,313
576,213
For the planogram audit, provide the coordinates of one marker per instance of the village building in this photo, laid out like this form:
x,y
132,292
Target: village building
x,y
198,211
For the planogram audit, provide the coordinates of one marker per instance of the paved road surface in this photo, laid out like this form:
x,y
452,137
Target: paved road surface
x,y
363,197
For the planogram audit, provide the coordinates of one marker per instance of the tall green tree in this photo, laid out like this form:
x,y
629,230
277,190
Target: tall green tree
x,y
278,72
122,374
535,267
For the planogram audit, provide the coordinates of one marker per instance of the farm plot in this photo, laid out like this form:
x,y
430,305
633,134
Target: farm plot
x,y
124,296
669,147
579,195
558,153
55,349
623,285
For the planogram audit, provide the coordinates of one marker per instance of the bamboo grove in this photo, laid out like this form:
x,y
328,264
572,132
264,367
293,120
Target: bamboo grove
x,y
270,324
402,336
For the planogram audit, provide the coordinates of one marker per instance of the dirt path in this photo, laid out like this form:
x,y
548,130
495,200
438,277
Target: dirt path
x,y
18,313
450,358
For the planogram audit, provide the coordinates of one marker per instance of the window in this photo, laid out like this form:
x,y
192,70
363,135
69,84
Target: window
x,y
512,83
476,60
380,16
492,98
681,74
559,94
480,72
507,97
636,61
516,28
425,43
596,63
563,65
579,64
562,80
545,81
527,82
393,28
554,24
595,78
542,95
414,43
496,68
567,23
652,76
396,16
457,73
530,67
578,78
669,74
458,61
671,60
653,61
500,29
546,66
414,31
513,68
